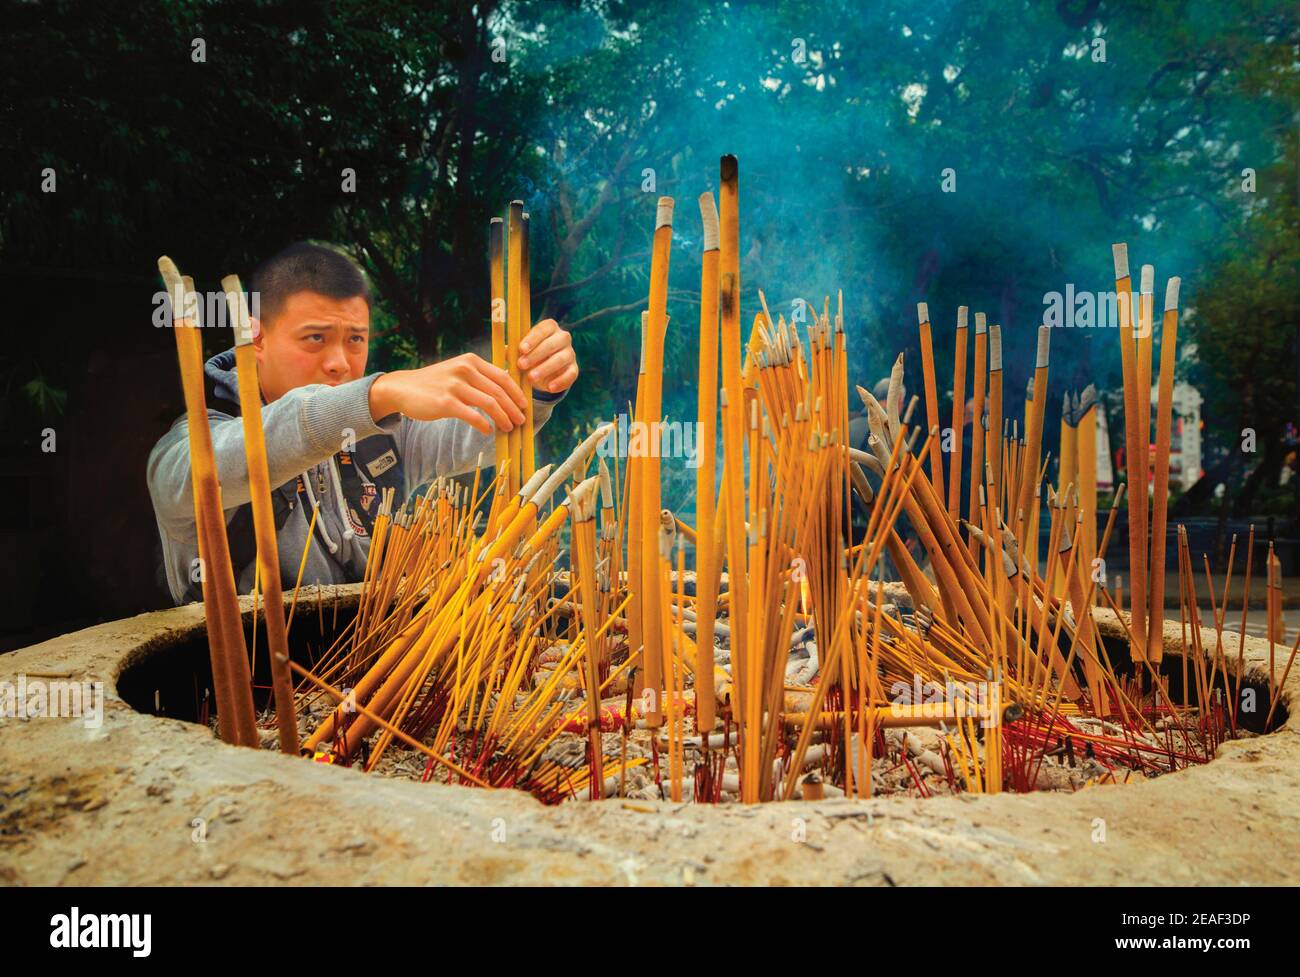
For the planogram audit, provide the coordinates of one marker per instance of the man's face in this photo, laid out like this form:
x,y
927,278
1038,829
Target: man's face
x,y
313,339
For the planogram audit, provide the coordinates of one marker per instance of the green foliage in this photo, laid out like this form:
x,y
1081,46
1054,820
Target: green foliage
x,y
47,400
844,115
1247,322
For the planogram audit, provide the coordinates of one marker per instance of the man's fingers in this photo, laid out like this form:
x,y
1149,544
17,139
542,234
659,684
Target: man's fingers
x,y
470,416
493,407
493,389
502,379
563,381
552,368
543,330
543,351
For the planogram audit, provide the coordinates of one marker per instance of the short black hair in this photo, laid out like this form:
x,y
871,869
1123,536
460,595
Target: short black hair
x,y
307,266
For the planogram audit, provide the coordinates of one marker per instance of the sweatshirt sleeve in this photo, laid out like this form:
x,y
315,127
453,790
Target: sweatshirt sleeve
x,y
303,428
450,446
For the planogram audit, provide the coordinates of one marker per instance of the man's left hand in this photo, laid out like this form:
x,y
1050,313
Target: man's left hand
x,y
547,357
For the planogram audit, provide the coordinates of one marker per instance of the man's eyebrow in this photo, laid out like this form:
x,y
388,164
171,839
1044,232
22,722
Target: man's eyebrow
x,y
329,327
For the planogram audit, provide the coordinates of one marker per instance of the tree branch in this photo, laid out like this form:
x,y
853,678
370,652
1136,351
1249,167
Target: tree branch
x,y
612,310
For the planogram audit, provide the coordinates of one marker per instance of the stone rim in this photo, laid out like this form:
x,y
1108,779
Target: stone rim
x,y
116,805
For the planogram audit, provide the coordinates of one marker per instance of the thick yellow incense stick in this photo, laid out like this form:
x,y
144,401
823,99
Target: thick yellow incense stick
x,y
1029,463
657,321
733,403
1160,504
1142,480
528,445
635,476
706,574
931,397
514,328
1145,340
259,487
228,652
976,428
1066,475
1086,463
958,415
497,271
1133,438
583,507
993,436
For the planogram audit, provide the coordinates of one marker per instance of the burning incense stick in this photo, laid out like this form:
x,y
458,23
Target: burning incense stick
x,y
497,272
1086,455
1141,457
259,487
733,436
993,435
527,437
583,510
958,415
515,330
652,602
973,513
635,522
1133,438
706,576
1066,475
1030,478
931,397
229,654
1160,503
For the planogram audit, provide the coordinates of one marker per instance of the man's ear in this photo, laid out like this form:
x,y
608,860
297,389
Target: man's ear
x,y
256,326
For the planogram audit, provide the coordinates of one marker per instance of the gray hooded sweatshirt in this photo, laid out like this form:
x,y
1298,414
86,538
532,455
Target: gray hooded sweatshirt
x,y
307,431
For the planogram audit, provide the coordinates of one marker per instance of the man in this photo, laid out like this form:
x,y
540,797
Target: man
x,y
335,437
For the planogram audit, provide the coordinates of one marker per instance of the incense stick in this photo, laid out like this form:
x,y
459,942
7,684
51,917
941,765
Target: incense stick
x,y
1160,502
227,650
958,415
259,487
706,574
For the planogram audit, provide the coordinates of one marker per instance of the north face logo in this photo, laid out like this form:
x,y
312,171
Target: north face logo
x,y
381,464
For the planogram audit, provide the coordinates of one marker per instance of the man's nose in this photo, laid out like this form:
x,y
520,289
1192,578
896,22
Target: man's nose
x,y
336,363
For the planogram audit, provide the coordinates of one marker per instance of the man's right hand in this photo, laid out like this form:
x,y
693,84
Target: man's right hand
x,y
452,388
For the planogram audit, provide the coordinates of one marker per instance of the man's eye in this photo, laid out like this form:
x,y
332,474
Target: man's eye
x,y
358,339
314,337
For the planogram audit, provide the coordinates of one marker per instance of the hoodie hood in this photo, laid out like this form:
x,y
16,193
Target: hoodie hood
x,y
221,374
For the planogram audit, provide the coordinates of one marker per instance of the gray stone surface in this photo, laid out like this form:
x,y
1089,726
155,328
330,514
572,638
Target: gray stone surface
x,y
148,800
